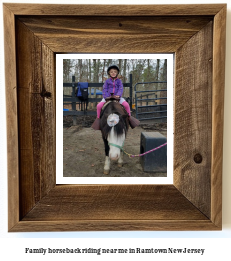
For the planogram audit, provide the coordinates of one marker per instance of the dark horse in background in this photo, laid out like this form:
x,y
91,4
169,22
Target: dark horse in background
x,y
114,124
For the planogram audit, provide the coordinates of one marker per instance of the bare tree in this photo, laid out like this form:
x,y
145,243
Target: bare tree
x,y
125,70
94,70
80,65
164,85
67,66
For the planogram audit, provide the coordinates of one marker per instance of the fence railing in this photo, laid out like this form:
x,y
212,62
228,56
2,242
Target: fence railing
x,y
72,100
153,108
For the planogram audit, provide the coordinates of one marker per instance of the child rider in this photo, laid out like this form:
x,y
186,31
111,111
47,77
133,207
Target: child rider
x,y
113,85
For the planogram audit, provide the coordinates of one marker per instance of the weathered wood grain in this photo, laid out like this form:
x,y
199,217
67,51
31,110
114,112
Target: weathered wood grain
x,y
111,207
108,202
115,10
35,66
114,225
194,201
218,115
48,147
12,121
193,126
28,58
75,34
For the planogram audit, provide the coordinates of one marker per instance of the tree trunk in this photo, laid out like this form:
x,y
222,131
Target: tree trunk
x,y
89,66
80,70
94,70
120,66
164,75
156,79
164,85
103,71
125,70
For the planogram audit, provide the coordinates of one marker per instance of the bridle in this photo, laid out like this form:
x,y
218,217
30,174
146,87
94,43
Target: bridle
x,y
117,146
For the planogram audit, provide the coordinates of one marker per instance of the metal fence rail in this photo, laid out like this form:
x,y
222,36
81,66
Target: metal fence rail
x,y
151,111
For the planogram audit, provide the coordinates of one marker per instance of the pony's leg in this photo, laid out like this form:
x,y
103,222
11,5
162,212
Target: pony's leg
x,y
120,161
106,147
106,169
107,166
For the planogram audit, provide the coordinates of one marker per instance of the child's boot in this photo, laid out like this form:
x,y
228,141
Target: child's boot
x,y
96,124
133,122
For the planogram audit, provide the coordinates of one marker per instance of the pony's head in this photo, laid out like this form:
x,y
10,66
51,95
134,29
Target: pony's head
x,y
114,127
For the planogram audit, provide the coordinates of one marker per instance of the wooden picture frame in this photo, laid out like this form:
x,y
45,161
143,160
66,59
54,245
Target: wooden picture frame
x,y
33,34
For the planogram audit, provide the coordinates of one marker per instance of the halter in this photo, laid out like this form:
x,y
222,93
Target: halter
x,y
117,146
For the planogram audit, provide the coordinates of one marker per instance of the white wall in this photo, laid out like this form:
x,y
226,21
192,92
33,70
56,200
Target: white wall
x,y
225,233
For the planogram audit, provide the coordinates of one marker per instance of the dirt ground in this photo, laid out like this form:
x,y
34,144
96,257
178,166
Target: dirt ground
x,y
83,150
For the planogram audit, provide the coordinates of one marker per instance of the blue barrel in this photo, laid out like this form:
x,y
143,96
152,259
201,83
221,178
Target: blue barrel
x,y
98,92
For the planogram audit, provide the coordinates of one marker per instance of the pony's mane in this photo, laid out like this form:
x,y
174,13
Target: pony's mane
x,y
121,127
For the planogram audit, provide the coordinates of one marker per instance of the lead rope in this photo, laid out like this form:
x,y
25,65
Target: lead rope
x,y
139,155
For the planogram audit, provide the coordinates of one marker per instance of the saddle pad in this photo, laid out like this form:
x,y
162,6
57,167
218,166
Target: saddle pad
x,y
107,103
104,106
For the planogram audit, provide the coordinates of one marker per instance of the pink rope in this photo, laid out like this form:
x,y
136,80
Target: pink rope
x,y
132,156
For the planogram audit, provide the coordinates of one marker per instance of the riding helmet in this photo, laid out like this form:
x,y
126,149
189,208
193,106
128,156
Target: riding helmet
x,y
113,67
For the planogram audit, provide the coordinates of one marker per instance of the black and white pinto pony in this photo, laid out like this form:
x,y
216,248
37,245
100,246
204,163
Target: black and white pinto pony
x,y
114,124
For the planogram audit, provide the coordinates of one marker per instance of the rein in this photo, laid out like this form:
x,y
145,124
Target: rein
x,y
139,155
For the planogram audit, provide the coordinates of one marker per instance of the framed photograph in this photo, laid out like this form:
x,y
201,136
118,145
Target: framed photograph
x,y
147,82
34,35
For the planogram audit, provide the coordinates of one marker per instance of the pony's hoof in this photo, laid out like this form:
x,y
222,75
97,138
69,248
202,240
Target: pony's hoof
x,y
106,171
120,165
